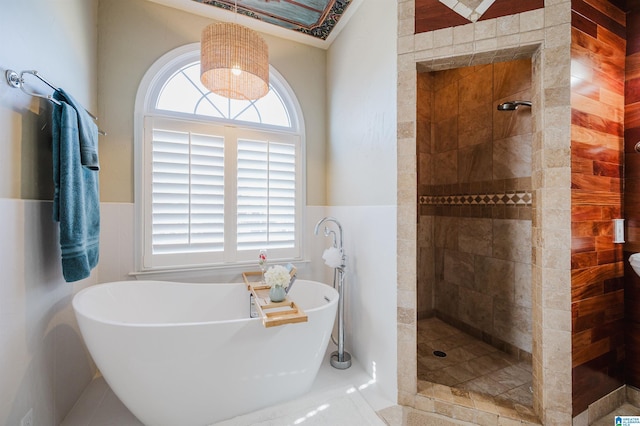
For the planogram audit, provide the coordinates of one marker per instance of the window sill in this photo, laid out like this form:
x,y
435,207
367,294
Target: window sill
x,y
226,273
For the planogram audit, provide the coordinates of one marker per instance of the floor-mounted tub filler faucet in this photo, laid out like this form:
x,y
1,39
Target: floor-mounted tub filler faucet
x,y
335,258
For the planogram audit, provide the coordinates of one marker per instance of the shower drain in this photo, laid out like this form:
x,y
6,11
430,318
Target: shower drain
x,y
440,354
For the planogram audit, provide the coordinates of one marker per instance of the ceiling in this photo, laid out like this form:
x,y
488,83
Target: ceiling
x,y
314,22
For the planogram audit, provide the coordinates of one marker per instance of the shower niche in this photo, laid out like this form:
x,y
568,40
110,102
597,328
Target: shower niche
x,y
474,229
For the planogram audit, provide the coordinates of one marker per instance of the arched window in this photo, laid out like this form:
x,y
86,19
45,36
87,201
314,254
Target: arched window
x,y
217,179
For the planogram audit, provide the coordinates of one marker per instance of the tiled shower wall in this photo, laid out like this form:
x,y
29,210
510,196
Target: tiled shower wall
x,y
474,183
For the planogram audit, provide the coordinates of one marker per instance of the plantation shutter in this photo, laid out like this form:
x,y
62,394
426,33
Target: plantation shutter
x,y
216,179
266,195
187,191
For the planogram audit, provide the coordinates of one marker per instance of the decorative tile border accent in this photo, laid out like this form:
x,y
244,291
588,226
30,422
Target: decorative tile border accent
x,y
469,9
432,15
515,198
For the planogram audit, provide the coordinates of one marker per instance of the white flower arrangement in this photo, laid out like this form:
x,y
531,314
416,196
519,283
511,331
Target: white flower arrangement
x,y
278,276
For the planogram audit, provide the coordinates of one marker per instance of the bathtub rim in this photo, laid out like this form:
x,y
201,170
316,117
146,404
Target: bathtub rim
x,y
78,309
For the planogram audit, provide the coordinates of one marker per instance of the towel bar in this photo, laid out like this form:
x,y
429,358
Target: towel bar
x,y
17,81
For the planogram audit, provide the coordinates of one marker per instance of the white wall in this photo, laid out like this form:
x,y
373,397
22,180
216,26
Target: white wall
x,y
59,40
361,175
361,84
43,364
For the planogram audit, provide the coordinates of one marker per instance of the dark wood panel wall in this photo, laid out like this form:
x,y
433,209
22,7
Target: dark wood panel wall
x,y
432,15
632,193
598,52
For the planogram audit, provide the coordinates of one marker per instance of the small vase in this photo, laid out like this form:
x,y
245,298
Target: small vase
x,y
277,293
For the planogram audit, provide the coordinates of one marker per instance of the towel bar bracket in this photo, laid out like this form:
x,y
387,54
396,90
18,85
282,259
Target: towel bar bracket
x,y
17,81
13,78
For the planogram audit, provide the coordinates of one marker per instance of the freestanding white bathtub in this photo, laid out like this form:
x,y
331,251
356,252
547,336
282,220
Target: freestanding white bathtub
x,y
180,354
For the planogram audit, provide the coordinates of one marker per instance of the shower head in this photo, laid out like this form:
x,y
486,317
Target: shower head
x,y
513,105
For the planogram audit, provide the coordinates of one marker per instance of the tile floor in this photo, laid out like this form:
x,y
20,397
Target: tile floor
x,y
625,409
98,405
471,365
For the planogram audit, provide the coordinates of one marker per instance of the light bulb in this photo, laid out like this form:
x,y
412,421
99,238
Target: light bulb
x,y
236,70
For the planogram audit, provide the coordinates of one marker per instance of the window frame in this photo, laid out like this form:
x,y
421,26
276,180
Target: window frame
x,y
148,91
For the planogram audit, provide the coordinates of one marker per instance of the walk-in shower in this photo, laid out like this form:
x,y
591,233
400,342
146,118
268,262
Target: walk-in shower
x,y
335,258
474,231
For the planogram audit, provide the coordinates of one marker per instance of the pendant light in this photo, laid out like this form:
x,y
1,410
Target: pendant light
x,y
234,61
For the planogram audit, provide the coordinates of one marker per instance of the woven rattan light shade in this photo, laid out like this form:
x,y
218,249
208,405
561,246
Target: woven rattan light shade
x,y
234,61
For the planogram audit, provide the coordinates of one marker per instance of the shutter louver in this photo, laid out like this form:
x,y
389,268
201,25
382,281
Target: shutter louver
x,y
187,192
266,195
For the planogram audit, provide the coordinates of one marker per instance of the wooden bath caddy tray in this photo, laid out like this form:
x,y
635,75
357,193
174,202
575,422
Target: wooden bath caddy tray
x,y
272,313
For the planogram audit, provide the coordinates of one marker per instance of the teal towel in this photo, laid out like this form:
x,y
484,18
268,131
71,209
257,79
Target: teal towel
x,y
76,198
87,132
